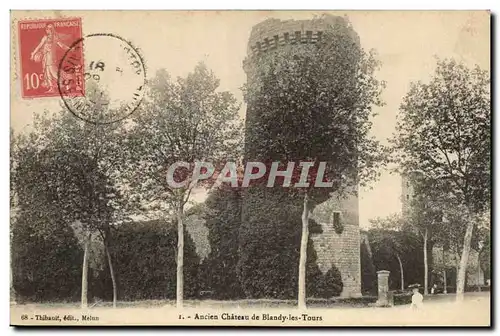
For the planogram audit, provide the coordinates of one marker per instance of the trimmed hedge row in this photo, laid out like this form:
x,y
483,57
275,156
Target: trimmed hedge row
x,y
363,301
452,289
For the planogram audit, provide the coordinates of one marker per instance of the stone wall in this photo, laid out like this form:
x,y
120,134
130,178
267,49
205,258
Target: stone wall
x,y
341,249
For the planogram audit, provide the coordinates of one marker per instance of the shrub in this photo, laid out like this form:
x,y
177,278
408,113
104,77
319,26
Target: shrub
x,y
331,283
144,259
481,288
363,301
46,260
223,220
402,299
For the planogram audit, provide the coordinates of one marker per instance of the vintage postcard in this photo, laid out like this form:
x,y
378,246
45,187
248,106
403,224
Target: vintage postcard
x,y
250,168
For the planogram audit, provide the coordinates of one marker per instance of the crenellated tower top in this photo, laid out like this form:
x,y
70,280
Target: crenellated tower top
x,y
273,33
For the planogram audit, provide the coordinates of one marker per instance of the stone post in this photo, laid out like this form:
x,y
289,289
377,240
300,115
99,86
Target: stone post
x,y
383,289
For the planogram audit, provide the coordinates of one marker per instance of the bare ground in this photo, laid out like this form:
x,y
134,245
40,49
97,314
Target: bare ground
x,y
441,310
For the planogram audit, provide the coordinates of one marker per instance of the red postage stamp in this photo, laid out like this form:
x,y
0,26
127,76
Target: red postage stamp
x,y
42,45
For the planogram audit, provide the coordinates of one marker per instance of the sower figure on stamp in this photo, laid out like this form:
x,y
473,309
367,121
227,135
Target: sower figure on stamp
x,y
46,53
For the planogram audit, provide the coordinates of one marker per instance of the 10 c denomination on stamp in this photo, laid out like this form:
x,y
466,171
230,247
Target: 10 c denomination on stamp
x,y
42,45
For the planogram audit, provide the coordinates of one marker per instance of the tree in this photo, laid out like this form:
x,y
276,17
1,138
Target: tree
x,y
426,219
310,105
444,133
65,169
394,250
391,240
185,120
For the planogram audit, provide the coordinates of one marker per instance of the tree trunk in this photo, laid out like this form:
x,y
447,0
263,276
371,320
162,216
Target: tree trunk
x,y
401,272
85,268
426,266
303,254
479,272
180,258
464,260
457,267
111,272
445,290
430,262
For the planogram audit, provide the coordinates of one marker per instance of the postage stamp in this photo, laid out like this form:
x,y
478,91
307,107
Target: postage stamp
x,y
42,44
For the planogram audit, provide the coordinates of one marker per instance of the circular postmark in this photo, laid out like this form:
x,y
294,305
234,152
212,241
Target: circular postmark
x,y
101,78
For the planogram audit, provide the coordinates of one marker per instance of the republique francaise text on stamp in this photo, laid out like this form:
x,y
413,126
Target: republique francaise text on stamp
x,y
42,44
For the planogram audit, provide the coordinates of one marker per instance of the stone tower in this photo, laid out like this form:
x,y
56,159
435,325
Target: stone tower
x,y
406,194
333,247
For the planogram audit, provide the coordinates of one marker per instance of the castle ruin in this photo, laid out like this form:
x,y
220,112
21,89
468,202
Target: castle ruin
x,y
334,247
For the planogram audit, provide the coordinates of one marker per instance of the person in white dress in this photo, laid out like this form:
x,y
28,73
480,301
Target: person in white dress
x,y
417,299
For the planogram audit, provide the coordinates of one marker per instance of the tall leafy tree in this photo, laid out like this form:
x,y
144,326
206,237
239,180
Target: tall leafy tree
x,y
65,166
444,133
391,240
394,247
426,218
185,120
313,103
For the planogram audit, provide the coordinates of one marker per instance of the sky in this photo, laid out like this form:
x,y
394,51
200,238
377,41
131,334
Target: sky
x,y
406,43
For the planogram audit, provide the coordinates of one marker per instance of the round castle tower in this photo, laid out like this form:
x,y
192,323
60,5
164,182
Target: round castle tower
x,y
341,249
274,33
